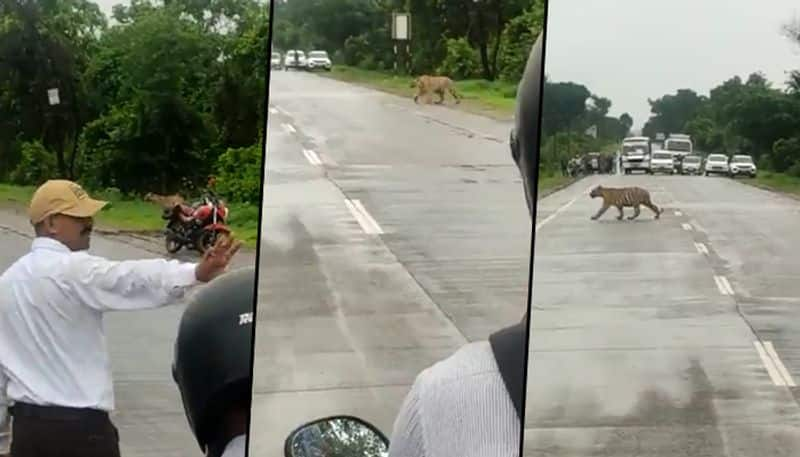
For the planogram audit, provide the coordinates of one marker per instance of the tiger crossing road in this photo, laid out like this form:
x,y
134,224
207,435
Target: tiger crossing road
x,y
677,336
393,233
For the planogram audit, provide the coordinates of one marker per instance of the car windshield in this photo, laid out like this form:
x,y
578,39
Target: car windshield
x,y
691,159
318,54
742,159
717,158
275,55
634,149
662,155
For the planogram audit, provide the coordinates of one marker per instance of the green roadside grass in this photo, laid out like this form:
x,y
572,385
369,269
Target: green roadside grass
x,y
549,183
139,216
777,182
495,99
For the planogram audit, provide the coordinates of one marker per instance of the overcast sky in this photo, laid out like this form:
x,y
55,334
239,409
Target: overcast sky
x,y
640,49
106,5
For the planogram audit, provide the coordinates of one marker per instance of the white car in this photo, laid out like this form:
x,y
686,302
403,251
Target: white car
x,y
662,162
294,59
690,165
318,59
742,165
716,164
275,62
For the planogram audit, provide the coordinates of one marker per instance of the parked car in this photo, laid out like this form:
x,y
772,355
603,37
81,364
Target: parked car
x,y
662,162
716,164
690,165
318,59
294,59
275,61
742,165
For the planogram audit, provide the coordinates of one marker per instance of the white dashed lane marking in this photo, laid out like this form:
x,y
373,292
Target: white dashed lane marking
x,y
312,157
367,223
772,362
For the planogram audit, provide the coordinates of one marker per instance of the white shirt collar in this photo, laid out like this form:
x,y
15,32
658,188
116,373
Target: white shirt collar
x,y
49,244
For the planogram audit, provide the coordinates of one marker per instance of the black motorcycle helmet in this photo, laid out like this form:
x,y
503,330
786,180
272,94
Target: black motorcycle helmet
x,y
525,133
213,353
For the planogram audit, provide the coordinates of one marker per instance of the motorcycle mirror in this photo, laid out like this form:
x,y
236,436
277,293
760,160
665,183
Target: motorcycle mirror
x,y
337,436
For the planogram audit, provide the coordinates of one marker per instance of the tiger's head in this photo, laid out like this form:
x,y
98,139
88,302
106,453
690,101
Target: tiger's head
x,y
596,192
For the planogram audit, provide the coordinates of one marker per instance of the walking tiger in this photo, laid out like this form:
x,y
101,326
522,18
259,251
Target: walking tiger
x,y
623,197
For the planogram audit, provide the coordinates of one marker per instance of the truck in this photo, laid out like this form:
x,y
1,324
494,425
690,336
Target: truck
x,y
680,145
635,154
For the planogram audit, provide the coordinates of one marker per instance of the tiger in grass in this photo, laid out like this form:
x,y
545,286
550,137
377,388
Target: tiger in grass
x,y
623,197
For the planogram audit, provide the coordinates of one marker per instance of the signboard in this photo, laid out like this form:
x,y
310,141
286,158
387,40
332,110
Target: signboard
x,y
401,26
660,136
592,131
52,96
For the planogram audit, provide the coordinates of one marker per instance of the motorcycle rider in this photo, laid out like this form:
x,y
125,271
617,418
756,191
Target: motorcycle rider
x,y
212,364
464,405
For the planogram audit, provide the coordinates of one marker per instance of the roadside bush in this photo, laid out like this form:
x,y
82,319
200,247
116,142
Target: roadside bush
x,y
461,61
516,40
785,153
356,49
239,174
794,170
36,165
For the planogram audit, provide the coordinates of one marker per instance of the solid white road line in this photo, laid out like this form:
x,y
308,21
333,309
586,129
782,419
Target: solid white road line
x,y
777,379
779,364
289,128
555,213
312,157
701,248
367,223
687,227
723,285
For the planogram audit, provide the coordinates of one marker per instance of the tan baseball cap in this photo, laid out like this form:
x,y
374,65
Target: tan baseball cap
x,y
59,196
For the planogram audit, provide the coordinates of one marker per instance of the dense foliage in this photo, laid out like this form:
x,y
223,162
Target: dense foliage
x,y
465,39
150,100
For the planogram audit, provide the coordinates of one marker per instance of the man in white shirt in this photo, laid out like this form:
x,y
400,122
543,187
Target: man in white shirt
x,y
53,352
464,406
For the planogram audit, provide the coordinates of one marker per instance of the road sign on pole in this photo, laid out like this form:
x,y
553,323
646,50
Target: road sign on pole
x,y
401,32
52,97
401,26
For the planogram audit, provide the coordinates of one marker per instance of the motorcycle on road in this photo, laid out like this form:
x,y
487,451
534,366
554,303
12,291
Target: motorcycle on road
x,y
198,226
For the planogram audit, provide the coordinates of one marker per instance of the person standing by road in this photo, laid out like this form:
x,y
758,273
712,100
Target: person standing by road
x,y
464,406
52,344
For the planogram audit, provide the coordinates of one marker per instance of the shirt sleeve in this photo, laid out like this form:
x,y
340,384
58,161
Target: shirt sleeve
x,y
408,438
5,420
107,285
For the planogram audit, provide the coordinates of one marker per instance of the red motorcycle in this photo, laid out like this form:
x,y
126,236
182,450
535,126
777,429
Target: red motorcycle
x,y
198,226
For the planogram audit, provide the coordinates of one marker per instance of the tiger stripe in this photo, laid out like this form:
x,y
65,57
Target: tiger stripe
x,y
624,197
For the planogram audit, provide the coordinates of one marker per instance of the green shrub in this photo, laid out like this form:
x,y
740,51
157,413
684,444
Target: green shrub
x,y
239,174
461,61
36,165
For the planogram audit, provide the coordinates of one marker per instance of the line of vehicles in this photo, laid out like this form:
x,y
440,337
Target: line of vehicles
x,y
298,60
676,155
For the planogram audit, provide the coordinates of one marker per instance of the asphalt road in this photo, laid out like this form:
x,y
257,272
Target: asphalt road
x,y
392,234
149,414
677,337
